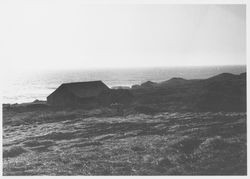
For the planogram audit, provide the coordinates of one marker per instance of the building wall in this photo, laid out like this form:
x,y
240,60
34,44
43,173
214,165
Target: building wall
x,y
89,102
61,97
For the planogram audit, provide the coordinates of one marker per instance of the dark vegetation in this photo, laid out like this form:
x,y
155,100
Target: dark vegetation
x,y
177,127
224,92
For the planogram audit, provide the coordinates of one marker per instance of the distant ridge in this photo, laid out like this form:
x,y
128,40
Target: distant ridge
x,y
223,92
223,76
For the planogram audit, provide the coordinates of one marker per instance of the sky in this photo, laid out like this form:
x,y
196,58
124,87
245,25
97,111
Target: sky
x,y
70,34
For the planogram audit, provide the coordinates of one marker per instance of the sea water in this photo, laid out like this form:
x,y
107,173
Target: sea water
x,y
27,86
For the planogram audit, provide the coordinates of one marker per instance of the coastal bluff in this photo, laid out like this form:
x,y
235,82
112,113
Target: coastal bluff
x,y
223,92
175,127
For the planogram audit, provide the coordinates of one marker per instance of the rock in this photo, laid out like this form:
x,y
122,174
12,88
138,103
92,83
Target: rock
x,y
147,158
164,162
137,149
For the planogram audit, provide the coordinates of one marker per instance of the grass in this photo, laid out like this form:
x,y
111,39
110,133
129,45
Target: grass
x,y
98,142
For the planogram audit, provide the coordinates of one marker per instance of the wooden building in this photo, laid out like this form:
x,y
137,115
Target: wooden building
x,y
75,94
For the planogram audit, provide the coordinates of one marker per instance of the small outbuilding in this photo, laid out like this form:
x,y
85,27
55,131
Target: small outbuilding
x,y
75,94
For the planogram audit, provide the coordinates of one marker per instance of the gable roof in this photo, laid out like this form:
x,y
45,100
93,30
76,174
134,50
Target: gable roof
x,y
85,89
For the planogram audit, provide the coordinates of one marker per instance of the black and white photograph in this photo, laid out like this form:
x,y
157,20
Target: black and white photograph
x,y
123,88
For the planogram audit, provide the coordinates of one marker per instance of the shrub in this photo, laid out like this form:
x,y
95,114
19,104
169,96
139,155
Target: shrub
x,y
59,136
13,151
187,144
214,143
34,143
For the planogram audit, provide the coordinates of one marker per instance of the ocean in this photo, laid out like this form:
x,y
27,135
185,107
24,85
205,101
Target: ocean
x,y
29,86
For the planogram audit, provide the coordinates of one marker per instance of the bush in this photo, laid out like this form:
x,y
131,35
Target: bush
x,y
59,136
34,143
214,143
13,151
187,144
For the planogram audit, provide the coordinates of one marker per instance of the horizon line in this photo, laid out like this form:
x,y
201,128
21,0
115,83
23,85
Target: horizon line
x,y
131,67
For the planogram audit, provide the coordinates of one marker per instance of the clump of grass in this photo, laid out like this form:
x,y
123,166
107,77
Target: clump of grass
x,y
137,148
216,143
218,155
13,151
34,143
59,135
31,143
56,116
87,144
163,164
187,144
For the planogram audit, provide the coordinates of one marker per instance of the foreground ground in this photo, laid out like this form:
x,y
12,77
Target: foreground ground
x,y
100,142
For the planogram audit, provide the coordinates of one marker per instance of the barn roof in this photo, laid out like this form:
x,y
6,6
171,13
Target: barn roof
x,y
85,89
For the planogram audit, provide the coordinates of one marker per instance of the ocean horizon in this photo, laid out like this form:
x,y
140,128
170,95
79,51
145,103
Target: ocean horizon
x,y
30,86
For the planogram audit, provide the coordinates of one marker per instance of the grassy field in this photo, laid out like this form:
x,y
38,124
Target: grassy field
x,y
101,142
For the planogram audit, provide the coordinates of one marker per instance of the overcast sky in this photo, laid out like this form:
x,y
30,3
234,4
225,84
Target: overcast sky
x,y
40,34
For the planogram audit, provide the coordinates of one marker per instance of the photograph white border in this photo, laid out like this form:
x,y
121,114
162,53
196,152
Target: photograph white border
x,y
147,2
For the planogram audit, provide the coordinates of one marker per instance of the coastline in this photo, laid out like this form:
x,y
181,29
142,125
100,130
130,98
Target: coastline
x,y
171,128
38,85
223,92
